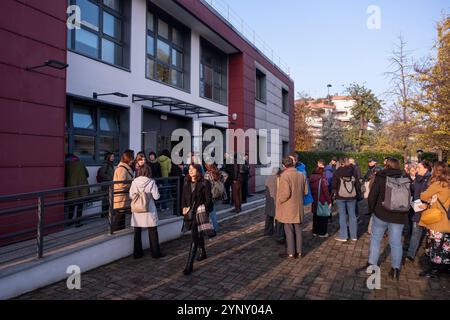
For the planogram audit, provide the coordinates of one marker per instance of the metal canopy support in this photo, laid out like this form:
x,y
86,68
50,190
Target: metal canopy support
x,y
178,105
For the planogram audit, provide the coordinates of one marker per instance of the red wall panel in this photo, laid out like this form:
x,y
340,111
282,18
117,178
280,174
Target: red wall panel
x,y
32,103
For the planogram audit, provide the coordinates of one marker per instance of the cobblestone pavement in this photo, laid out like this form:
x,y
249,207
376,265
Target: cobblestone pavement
x,y
243,264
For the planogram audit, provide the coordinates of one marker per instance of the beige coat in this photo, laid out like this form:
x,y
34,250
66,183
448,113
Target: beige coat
x,y
121,197
443,194
289,204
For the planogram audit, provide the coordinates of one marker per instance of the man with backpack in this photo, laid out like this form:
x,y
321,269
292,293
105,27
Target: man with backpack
x,y
389,199
346,189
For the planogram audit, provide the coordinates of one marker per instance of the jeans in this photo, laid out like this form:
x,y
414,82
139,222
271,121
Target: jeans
x,y
213,217
415,240
395,241
344,207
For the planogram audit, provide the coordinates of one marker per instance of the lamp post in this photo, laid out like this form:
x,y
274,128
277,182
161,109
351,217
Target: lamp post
x,y
328,96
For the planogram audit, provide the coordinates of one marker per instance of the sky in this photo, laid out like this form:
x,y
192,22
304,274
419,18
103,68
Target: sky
x,y
328,41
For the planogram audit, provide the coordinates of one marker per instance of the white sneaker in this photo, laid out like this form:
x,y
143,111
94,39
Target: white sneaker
x,y
341,240
326,235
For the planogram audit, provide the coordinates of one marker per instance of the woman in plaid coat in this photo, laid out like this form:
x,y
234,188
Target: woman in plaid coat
x,y
196,198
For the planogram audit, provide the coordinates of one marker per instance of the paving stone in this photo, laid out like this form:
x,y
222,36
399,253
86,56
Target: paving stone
x,y
242,264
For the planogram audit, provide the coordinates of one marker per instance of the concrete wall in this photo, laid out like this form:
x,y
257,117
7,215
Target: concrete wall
x,y
269,115
91,255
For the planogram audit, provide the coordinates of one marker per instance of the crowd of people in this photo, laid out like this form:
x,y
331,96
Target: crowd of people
x,y
135,188
398,200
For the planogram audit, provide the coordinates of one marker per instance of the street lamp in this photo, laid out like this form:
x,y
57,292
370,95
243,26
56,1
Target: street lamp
x,y
55,64
328,87
117,94
233,117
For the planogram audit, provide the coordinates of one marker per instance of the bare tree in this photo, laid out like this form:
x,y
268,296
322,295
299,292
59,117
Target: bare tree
x,y
402,93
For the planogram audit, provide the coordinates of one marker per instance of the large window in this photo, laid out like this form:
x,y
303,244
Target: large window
x,y
285,101
92,131
213,73
167,43
102,31
260,86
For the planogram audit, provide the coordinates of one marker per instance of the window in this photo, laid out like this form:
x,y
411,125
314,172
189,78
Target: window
x,y
285,101
101,34
92,131
213,73
166,50
285,149
260,86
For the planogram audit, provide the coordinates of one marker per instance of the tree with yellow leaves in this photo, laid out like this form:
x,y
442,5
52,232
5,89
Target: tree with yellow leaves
x,y
304,140
433,104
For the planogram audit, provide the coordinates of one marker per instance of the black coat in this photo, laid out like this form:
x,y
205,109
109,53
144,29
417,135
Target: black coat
x,y
156,169
376,198
106,172
419,185
201,195
347,171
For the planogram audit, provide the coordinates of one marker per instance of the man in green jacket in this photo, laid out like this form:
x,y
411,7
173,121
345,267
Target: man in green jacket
x,y
76,175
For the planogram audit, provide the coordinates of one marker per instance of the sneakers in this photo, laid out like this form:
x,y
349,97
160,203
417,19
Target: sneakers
x,y
354,240
340,240
326,235
289,256
315,235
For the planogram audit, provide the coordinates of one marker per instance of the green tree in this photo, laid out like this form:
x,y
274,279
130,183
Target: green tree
x,y
367,109
333,135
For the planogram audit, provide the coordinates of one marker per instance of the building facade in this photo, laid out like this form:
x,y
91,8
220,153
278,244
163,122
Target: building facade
x,y
137,70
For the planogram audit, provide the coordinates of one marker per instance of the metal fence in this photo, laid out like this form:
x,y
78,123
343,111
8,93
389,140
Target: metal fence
x,y
35,224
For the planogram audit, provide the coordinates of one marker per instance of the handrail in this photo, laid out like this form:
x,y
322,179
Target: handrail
x,y
36,215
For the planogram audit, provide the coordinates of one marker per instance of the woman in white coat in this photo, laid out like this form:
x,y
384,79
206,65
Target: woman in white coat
x,y
144,183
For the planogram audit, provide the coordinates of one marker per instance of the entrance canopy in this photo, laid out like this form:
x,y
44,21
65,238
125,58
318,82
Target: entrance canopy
x,y
177,105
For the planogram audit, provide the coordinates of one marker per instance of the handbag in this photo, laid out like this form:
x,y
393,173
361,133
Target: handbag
x,y
323,210
205,226
432,215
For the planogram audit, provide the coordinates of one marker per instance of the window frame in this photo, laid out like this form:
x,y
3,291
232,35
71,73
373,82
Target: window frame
x,y
173,46
96,133
121,16
217,55
262,87
285,101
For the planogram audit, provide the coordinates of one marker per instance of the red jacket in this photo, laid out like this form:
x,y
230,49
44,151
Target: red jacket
x,y
324,193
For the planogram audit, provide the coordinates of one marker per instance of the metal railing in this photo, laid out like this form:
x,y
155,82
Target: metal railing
x,y
224,10
32,224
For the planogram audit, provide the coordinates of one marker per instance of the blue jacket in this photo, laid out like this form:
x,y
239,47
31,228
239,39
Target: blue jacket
x,y
329,171
307,199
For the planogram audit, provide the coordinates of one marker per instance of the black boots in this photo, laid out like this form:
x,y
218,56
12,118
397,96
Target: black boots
x,y
201,252
190,261
432,272
395,273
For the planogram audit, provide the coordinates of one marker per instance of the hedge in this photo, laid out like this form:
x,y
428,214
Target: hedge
x,y
310,158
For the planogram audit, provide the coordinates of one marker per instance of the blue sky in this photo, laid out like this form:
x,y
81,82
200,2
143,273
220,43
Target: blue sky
x,y
327,41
